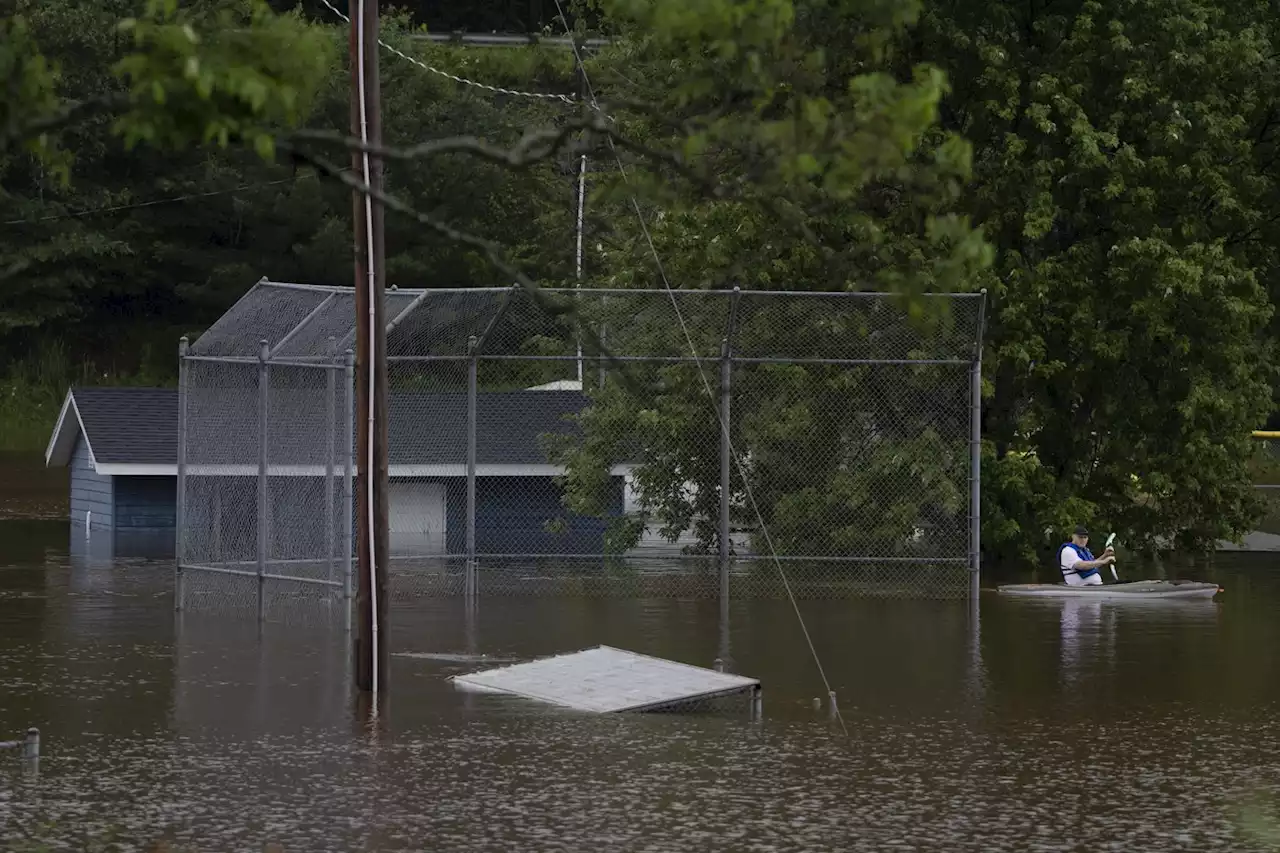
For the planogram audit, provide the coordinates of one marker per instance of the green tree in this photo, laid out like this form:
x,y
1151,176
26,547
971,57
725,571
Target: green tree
x,y
111,250
1124,170
135,243
1122,159
809,158
113,122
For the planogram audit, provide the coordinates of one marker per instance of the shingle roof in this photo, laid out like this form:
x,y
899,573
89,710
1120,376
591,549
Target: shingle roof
x,y
140,426
430,428
130,425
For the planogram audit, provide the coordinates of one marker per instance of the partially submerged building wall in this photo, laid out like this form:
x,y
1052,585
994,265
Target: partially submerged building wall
x,y
92,495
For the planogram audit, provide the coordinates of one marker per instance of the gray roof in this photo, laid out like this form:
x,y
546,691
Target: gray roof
x,y
130,425
428,428
140,426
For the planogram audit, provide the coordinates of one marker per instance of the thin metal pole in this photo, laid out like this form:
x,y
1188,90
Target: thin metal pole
x,y
348,481
675,359
331,428
726,657
582,199
975,650
223,570
180,513
264,403
726,403
975,458
975,477
301,324
582,195
217,526
726,443
472,394
604,341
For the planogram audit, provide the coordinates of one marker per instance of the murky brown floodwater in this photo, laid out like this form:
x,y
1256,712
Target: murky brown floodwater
x,y
30,490
1043,726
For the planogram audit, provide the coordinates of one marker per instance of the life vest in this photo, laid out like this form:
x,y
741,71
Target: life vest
x,y
1084,554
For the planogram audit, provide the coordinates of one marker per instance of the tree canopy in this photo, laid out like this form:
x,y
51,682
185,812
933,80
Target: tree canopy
x,y
132,243
1124,171
1104,171
804,168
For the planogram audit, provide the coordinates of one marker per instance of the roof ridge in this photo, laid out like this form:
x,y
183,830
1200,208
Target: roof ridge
x,y
124,388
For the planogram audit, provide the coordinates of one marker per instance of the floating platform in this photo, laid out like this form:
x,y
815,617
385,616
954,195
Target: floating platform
x,y
605,680
1130,590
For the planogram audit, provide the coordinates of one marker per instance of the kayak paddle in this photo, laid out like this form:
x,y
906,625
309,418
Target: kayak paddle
x,y
1111,539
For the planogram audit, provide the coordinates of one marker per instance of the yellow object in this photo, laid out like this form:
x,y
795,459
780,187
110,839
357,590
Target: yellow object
x,y
1265,434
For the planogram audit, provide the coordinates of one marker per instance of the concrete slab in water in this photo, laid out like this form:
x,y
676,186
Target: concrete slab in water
x,y
608,680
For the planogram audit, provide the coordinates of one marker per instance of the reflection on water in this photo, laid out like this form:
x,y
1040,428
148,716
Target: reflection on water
x,y
1013,725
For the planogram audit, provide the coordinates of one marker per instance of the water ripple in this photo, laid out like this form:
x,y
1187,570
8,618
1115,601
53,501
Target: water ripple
x,y
1043,728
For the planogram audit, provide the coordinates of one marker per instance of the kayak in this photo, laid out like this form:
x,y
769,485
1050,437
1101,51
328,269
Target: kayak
x,y
1115,591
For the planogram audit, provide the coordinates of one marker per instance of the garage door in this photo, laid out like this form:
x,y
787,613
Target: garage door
x,y
417,517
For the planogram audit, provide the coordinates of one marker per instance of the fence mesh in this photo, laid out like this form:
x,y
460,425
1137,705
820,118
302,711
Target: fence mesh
x,y
265,464
591,442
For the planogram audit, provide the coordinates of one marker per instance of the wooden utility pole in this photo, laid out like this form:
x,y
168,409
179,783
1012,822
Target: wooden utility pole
x,y
371,357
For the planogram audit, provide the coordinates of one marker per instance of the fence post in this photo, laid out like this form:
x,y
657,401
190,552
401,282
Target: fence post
x,y
331,414
264,402
472,383
726,415
180,507
604,336
975,458
975,475
217,524
726,404
348,482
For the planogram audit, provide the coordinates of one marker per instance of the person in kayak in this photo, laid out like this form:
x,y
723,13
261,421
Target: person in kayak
x,y
1079,566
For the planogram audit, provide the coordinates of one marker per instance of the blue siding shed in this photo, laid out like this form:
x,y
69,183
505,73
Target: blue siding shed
x,y
92,495
121,446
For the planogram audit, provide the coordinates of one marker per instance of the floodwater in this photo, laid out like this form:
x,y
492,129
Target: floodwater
x,y
1028,725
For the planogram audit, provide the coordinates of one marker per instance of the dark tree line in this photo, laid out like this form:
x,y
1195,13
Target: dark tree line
x,y
1106,171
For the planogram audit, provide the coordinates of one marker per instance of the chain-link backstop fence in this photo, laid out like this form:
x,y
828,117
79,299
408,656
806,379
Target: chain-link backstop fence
x,y
591,442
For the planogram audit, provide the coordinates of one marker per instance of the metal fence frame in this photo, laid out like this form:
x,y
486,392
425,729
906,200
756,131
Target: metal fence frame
x,y
339,376
340,379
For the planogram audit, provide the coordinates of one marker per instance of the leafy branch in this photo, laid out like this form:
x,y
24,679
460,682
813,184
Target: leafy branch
x,y
17,131
491,250
534,147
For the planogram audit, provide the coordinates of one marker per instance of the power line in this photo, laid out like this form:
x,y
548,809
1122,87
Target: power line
x,y
706,384
117,208
671,293
545,96
509,40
